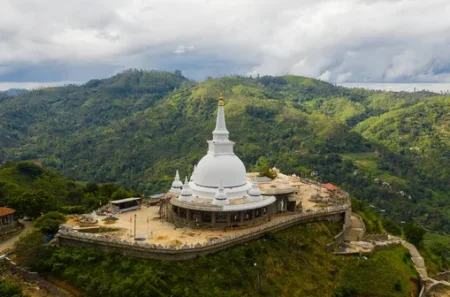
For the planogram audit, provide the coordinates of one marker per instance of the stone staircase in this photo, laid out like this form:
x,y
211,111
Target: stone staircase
x,y
357,228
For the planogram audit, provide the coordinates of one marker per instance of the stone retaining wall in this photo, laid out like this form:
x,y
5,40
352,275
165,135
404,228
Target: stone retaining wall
x,y
11,231
443,276
189,252
338,239
35,278
375,237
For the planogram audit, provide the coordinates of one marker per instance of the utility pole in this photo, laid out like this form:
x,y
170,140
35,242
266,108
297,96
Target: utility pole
x,y
134,226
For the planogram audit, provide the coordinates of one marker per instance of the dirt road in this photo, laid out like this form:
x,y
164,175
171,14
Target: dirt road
x,y
9,243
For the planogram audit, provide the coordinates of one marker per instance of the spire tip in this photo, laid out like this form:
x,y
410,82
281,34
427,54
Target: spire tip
x,y
221,103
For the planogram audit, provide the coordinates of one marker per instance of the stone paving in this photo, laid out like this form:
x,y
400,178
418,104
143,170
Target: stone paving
x,y
417,259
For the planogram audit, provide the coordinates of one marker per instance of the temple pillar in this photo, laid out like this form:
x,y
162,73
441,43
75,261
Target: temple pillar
x,y
188,214
241,214
178,211
228,219
213,219
253,214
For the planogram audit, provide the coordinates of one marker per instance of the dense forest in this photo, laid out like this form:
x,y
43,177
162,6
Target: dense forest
x,y
136,128
32,190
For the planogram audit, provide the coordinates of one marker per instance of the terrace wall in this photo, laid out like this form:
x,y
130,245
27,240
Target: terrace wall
x,y
190,252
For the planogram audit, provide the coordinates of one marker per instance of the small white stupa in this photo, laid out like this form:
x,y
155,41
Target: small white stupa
x,y
254,194
220,198
186,192
176,184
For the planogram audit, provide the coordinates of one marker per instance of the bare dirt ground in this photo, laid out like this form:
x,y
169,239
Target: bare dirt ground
x,y
150,229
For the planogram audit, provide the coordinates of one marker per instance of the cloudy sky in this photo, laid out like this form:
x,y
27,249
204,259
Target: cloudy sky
x,y
55,41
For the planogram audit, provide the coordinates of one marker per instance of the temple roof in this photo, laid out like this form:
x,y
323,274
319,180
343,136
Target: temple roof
x,y
4,211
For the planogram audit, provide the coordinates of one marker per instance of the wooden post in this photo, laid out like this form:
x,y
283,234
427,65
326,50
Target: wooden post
x,y
135,226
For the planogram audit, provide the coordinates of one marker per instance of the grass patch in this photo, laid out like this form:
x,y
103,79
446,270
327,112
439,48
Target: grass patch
x,y
364,160
391,179
434,238
386,273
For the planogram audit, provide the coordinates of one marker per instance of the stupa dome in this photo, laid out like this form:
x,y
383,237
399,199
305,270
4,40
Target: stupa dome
x,y
212,170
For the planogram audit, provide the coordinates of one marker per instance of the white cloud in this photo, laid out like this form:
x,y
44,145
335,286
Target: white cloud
x,y
181,49
336,40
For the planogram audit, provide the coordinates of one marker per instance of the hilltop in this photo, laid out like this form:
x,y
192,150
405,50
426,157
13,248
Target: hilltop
x,y
293,262
137,127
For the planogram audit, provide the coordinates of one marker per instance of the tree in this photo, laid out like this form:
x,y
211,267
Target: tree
x,y
414,233
49,222
34,203
9,289
26,248
29,168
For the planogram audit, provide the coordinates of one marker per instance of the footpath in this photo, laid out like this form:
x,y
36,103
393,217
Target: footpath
x,y
360,243
9,243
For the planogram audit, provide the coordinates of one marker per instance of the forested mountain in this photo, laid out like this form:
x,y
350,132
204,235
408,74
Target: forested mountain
x,y
137,127
13,92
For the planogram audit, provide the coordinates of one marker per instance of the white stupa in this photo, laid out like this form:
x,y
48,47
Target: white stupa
x,y
220,198
218,190
254,194
220,165
177,185
186,192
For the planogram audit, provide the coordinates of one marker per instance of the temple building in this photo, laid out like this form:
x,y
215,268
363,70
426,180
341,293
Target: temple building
x,y
219,194
7,217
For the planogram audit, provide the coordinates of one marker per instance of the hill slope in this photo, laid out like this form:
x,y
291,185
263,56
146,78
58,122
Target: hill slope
x,y
293,262
138,127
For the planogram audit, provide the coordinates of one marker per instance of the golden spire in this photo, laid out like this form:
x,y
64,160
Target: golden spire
x,y
221,103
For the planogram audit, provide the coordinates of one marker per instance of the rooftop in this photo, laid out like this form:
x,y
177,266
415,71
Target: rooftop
x,y
330,187
125,200
4,211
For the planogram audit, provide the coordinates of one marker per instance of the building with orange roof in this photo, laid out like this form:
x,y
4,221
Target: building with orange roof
x,y
330,187
7,216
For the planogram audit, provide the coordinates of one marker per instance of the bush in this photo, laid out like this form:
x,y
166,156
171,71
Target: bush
x,y
398,286
29,168
392,227
49,222
268,173
27,246
74,209
414,233
9,289
345,290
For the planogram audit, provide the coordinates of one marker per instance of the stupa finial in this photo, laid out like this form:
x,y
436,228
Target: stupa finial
x,y
221,103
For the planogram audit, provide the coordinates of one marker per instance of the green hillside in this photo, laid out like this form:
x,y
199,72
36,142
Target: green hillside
x,y
137,127
293,262
32,189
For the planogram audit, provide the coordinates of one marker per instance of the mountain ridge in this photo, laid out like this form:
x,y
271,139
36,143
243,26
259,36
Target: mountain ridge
x,y
138,127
